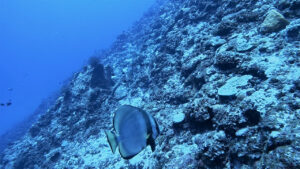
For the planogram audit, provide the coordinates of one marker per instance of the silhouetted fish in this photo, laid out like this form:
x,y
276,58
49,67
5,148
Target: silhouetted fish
x,y
8,103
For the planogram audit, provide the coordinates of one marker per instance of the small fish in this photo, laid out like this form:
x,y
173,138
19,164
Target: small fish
x,y
10,89
2,104
134,130
8,103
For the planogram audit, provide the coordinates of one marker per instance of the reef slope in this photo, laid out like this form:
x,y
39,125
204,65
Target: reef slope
x,y
221,78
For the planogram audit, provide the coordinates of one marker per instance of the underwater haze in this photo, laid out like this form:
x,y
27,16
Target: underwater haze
x,y
44,41
210,84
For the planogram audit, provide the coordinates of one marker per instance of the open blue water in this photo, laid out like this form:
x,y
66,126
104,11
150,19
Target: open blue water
x,y
43,41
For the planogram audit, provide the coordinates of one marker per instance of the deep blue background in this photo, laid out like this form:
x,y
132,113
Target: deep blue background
x,y
43,41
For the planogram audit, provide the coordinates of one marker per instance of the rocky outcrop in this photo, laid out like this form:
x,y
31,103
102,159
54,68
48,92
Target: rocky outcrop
x,y
225,94
273,22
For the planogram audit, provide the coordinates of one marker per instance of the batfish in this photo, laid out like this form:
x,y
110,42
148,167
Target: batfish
x,y
134,129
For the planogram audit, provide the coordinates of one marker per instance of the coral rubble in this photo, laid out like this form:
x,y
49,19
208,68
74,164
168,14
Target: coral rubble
x,y
221,78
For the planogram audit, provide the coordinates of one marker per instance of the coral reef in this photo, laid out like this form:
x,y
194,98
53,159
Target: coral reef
x,y
221,78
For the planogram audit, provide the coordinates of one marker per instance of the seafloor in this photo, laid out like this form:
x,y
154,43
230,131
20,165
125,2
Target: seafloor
x,y
220,76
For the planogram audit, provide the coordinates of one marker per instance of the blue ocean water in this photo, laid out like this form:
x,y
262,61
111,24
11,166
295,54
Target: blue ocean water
x,y
44,41
192,84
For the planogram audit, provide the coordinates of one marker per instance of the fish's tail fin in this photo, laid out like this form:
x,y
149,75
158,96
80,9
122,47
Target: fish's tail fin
x,y
112,140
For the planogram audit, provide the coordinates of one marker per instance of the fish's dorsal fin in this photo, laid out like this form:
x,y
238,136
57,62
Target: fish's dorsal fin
x,y
112,140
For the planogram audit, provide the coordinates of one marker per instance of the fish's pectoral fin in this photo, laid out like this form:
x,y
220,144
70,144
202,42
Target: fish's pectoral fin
x,y
112,140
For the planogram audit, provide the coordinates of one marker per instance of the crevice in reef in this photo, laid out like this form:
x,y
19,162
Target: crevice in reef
x,y
253,117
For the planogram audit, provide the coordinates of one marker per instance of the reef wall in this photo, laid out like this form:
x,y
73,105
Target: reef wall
x,y
221,78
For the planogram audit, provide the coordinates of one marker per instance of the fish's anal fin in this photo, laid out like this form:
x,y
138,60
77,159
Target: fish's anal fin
x,y
151,142
112,140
